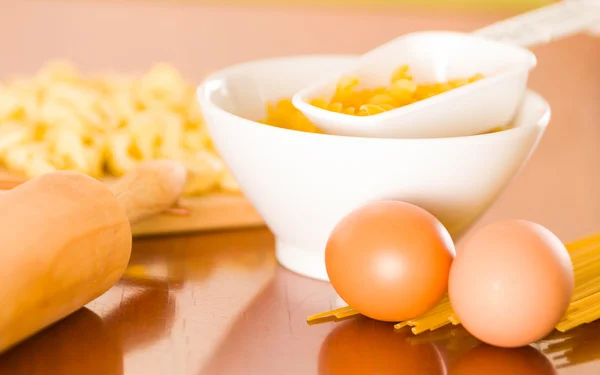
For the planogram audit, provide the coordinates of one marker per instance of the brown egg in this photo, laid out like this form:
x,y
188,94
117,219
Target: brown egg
x,y
511,283
390,260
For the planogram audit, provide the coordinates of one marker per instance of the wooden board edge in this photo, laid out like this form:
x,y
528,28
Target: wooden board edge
x,y
208,213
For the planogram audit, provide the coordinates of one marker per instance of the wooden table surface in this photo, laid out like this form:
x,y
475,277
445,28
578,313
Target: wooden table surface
x,y
218,303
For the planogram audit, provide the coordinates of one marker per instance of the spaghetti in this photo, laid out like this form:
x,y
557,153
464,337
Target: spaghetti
x,y
584,307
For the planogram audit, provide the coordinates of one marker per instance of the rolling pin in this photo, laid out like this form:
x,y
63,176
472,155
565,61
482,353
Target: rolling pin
x,y
65,239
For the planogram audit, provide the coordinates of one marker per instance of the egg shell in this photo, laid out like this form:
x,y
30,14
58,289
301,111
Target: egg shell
x,y
390,260
511,283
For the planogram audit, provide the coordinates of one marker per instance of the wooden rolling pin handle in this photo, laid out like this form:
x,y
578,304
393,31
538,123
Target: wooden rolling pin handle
x,y
151,188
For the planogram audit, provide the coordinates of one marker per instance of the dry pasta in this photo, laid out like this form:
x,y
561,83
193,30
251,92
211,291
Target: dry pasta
x,y
349,98
104,125
283,114
584,307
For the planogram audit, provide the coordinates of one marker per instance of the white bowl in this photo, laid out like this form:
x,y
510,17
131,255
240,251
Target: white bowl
x,y
303,184
433,56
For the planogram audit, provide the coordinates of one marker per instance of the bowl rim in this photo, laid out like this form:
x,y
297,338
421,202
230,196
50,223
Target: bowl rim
x,y
207,103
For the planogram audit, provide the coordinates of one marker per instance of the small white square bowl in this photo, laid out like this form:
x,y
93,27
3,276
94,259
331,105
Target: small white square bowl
x,y
433,56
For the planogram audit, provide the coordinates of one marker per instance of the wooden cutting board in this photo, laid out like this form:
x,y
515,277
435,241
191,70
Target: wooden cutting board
x,y
210,212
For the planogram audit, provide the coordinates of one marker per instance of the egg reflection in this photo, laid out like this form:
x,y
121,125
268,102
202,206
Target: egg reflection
x,y
365,346
491,360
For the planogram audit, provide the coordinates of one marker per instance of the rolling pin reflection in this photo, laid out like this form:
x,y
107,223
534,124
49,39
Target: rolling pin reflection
x,y
84,343
183,258
145,317
78,344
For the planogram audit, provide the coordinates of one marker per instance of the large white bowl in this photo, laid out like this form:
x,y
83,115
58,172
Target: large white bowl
x,y
303,184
